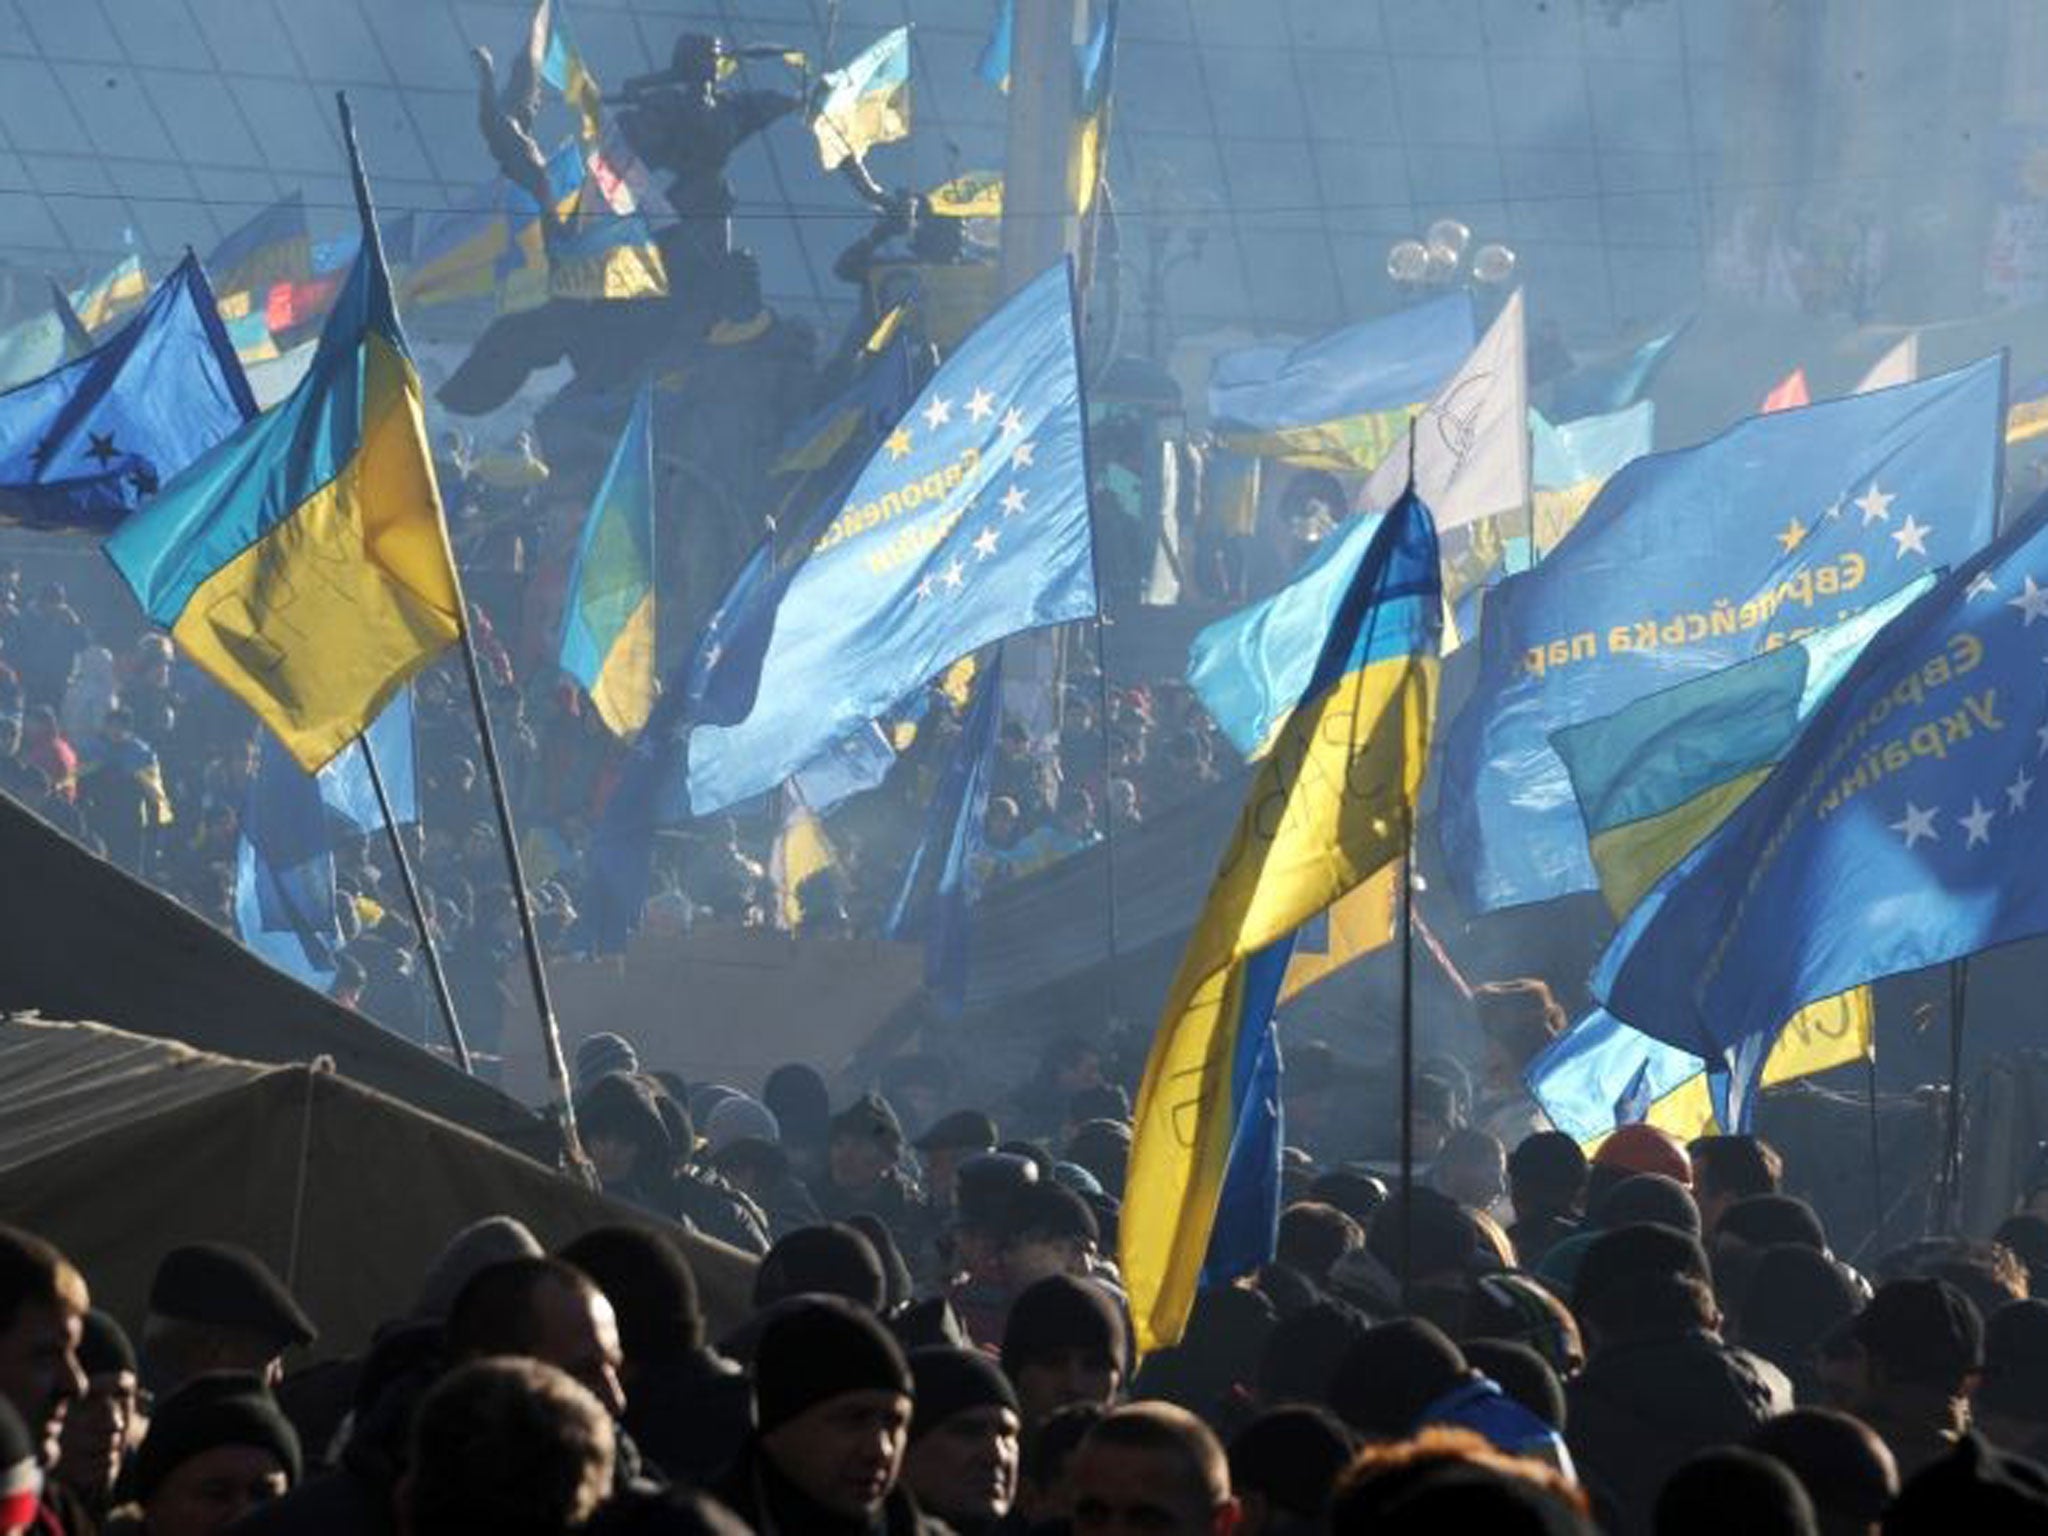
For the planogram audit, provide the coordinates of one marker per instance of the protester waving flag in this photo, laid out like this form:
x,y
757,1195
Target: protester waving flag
x,y
969,523
83,447
303,562
608,618
1329,806
1900,831
1686,563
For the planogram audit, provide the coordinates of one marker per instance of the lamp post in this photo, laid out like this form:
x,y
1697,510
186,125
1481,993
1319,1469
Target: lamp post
x,y
1445,257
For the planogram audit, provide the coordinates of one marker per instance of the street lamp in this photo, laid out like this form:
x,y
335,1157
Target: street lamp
x,y
1445,256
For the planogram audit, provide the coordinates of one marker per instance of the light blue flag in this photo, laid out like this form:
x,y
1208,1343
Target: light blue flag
x,y
1250,668
1607,384
85,445
1569,453
934,903
1342,399
970,523
1585,1077
1688,562
994,63
284,898
856,762
1902,830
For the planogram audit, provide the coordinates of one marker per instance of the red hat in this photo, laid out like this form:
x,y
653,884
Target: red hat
x,y
1645,1149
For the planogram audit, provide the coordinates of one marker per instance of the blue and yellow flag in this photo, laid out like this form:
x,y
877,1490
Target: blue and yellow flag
x,y
1686,563
1655,777
273,247
608,619
562,66
1572,460
84,446
969,523
1602,1073
304,562
1899,831
106,299
1343,401
865,103
1095,69
1329,807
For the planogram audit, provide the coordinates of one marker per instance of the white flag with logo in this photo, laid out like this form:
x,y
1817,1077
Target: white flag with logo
x,y
1472,440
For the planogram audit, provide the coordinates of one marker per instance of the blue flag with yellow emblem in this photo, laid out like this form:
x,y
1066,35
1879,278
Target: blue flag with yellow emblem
x,y
969,523
1902,830
1688,562
85,445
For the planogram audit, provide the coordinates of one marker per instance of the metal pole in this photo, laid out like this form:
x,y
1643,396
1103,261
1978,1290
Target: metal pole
x,y
1952,1156
550,1033
1407,1065
551,1038
1876,1160
428,947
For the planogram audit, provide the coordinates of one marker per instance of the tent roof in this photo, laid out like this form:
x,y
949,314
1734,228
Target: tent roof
x,y
81,939
118,1148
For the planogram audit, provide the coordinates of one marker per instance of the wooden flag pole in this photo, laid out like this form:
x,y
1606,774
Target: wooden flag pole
x,y
1952,1130
428,945
551,1035
1408,1015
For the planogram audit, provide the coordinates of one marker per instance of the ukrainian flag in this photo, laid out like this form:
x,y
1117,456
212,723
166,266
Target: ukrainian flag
x,y
105,300
866,103
1330,806
608,623
303,561
563,68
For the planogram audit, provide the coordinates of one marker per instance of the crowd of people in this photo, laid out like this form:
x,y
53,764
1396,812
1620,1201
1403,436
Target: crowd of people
x,y
1656,1339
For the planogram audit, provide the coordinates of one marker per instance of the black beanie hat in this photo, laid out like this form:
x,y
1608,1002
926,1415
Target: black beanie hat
x,y
1731,1488
1923,1331
1769,1221
1972,1488
1292,1455
1648,1198
1634,1253
830,1259
951,1381
817,1348
1391,1373
650,1286
103,1347
1796,1297
222,1408
1061,1312
228,1287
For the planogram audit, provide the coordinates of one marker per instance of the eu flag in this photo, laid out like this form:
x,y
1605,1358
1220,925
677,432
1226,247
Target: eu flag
x,y
1686,563
1903,829
84,446
970,523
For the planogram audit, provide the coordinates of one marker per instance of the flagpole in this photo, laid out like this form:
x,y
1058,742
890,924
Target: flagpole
x,y
428,946
1408,1013
1101,654
1876,1141
551,1035
1952,1134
